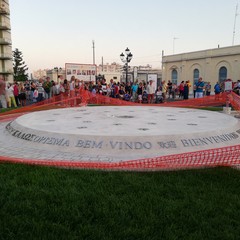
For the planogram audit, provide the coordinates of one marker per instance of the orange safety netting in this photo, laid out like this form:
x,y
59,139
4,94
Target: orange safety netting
x,y
226,156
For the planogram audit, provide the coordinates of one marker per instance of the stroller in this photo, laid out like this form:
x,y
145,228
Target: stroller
x,y
144,97
158,97
127,97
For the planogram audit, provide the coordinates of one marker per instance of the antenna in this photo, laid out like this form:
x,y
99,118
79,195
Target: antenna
x,y
234,26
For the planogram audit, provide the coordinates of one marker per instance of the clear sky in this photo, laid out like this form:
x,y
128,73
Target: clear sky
x,y
51,33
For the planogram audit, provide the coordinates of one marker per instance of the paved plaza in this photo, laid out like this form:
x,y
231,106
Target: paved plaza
x,y
115,134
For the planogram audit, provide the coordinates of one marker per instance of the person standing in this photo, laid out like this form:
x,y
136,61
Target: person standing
x,y
121,92
134,91
9,91
238,87
217,90
112,88
27,88
22,94
174,90
199,88
56,91
181,88
169,84
104,87
189,84
72,87
3,92
238,84
108,92
140,92
208,89
150,91
16,93
128,88
185,91
66,87
194,90
40,91
116,90
32,89
158,95
164,90
47,85
72,91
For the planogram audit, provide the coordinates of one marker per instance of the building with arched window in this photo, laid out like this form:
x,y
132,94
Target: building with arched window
x,y
213,65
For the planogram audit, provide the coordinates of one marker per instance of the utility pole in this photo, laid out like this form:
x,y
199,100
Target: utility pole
x,y
162,65
234,25
102,64
174,44
93,52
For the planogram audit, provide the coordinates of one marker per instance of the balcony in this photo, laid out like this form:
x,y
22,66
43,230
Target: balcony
x,y
5,56
6,72
4,2
5,41
5,25
4,10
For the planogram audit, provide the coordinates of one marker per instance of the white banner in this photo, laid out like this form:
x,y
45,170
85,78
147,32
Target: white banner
x,y
153,77
228,85
85,72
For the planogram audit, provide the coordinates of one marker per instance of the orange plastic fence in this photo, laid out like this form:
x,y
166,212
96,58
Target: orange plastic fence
x,y
226,156
84,97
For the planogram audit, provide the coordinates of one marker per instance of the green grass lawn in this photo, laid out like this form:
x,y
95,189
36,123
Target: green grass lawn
x,y
51,203
215,109
2,110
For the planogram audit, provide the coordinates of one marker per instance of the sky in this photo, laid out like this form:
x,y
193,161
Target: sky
x,y
50,33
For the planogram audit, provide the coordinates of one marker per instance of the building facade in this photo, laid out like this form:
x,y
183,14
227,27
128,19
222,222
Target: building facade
x,y
110,71
39,74
144,74
6,64
213,65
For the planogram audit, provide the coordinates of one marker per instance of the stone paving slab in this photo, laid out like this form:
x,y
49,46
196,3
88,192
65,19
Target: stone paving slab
x,y
114,134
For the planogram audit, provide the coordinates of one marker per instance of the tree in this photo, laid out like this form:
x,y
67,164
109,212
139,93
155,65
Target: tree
x,y
19,67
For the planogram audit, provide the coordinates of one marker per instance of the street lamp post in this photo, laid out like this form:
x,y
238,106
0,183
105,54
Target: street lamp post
x,y
57,70
126,59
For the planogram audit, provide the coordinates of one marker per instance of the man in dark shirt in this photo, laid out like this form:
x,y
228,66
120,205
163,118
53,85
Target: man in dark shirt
x,y
169,85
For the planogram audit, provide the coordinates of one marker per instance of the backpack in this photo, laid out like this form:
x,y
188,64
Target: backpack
x,y
217,88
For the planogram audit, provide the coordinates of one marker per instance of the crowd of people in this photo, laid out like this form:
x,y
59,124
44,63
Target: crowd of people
x,y
29,92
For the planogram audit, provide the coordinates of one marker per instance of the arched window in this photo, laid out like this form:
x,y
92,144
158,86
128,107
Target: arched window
x,y
174,76
222,74
195,76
